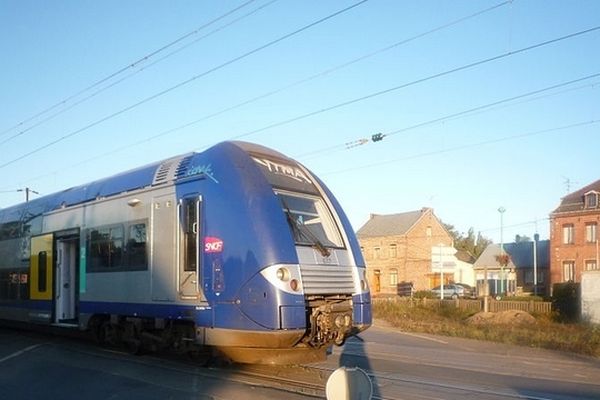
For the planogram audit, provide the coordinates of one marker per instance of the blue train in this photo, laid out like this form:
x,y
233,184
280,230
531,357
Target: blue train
x,y
238,249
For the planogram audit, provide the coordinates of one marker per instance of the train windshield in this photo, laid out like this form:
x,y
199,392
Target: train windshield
x,y
310,221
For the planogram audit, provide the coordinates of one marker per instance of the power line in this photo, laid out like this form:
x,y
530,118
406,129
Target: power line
x,y
519,224
405,85
315,153
379,136
112,75
310,78
467,146
179,85
286,87
141,69
27,191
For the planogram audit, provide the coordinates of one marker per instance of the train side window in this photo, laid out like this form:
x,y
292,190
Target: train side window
x,y
42,271
136,247
105,248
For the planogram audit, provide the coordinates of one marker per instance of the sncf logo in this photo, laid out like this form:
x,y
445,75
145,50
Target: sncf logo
x,y
213,245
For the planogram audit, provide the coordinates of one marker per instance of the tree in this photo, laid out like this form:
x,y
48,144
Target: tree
x,y
522,238
469,242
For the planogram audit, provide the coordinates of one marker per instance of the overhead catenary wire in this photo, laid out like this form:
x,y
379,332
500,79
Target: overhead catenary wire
x,y
183,83
470,111
415,82
467,146
315,153
329,70
308,79
140,69
118,72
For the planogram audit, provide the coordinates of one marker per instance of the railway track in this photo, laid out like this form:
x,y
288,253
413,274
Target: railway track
x,y
295,382
306,381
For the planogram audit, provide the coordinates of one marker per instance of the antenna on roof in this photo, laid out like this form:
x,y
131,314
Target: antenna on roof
x,y
568,183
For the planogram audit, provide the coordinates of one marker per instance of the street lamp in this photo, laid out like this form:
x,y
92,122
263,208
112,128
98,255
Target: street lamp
x,y
501,210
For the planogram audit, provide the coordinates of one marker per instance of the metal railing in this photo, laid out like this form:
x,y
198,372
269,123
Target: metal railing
x,y
476,304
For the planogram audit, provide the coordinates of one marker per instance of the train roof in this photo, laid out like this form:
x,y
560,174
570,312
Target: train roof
x,y
154,174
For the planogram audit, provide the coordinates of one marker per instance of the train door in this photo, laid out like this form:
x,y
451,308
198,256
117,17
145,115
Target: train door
x,y
40,287
163,248
189,240
65,296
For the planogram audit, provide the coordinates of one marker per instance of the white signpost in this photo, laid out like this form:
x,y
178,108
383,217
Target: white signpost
x,y
443,259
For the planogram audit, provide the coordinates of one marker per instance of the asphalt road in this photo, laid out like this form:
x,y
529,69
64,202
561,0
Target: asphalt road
x,y
41,366
402,366
413,366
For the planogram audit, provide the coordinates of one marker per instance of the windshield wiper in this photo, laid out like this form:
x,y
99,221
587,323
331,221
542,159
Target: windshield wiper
x,y
302,230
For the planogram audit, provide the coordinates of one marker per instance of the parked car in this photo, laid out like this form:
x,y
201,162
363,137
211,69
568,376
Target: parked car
x,y
470,291
451,291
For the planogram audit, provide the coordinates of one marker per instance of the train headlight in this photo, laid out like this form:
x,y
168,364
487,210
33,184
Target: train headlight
x,y
283,274
285,277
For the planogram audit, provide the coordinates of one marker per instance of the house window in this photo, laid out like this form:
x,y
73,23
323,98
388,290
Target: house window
x,y
590,265
591,200
377,253
590,232
541,277
568,271
393,277
428,232
393,251
568,234
528,276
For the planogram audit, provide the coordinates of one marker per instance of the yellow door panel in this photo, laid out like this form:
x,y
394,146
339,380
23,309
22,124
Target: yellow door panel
x,y
42,268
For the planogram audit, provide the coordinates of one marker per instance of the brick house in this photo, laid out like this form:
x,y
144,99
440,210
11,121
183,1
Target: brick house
x,y
398,250
573,235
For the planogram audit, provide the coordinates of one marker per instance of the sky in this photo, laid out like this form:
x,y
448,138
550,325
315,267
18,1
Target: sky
x,y
481,104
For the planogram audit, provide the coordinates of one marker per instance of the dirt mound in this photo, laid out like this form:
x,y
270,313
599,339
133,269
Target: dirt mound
x,y
510,317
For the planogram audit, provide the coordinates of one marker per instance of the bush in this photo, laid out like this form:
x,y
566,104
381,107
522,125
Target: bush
x,y
523,298
566,300
423,294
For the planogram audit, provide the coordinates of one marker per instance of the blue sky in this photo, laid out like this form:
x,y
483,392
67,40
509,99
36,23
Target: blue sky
x,y
522,154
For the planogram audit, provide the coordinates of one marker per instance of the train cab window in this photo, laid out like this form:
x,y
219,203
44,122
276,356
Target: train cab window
x,y
190,232
310,220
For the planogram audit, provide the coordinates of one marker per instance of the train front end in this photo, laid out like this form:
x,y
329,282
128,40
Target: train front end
x,y
305,286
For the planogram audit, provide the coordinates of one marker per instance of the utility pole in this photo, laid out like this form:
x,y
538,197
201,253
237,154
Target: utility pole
x,y
27,191
535,239
501,210
441,273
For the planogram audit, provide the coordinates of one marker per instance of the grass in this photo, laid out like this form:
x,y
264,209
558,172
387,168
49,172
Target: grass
x,y
447,320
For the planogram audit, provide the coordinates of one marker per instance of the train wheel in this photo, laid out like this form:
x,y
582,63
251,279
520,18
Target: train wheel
x,y
108,334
